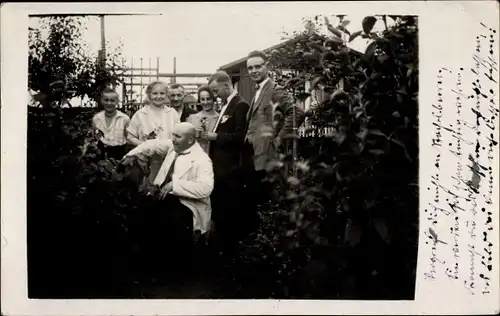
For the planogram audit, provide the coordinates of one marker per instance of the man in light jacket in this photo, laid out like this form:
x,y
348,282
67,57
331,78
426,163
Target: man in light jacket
x,y
182,197
259,140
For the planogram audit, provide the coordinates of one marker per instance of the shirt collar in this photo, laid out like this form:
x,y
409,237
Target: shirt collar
x,y
186,151
263,83
231,96
102,114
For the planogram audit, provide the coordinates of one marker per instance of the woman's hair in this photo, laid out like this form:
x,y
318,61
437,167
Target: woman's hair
x,y
150,86
282,96
205,88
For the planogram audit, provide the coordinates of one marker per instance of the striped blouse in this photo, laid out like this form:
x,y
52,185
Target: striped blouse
x,y
114,134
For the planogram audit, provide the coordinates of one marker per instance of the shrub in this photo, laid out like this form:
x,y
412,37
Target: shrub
x,y
345,225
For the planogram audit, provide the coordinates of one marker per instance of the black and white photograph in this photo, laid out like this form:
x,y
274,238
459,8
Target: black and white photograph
x,y
253,151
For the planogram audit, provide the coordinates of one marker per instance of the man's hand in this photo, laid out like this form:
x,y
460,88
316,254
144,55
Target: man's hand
x,y
166,189
128,161
209,136
277,141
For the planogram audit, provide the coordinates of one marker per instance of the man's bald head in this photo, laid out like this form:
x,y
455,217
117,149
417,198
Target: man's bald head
x,y
184,136
185,128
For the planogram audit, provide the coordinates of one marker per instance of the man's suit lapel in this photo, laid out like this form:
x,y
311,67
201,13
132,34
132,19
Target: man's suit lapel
x,y
229,109
169,158
257,102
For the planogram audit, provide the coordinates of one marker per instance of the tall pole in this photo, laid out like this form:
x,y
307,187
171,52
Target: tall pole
x,y
103,43
173,80
149,69
142,70
131,80
124,87
157,68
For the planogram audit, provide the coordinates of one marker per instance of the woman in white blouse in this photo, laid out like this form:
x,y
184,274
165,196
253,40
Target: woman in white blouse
x,y
153,121
111,126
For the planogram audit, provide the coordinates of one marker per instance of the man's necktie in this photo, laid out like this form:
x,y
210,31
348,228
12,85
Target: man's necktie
x,y
170,172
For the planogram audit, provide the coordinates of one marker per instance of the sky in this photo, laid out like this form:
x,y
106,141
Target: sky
x,y
205,36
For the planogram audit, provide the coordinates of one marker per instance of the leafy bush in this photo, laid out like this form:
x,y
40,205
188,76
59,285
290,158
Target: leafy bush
x,y
346,224
57,53
83,210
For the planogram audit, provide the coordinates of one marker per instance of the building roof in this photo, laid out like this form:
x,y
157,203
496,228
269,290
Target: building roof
x,y
236,65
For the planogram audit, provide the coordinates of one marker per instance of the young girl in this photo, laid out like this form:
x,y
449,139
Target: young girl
x,y
155,120
205,120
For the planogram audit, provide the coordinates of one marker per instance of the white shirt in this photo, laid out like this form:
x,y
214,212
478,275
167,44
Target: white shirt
x,y
261,85
114,133
192,179
223,110
183,158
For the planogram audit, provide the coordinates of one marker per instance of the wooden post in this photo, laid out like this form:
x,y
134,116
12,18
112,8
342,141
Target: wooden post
x,y
103,43
157,68
131,79
173,80
124,86
142,70
149,69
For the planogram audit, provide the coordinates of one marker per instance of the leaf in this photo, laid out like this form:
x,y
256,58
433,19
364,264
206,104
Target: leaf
x,y
353,233
396,114
354,35
376,152
293,181
343,29
344,23
332,29
316,80
376,132
382,58
334,42
382,228
274,164
316,46
400,143
370,51
338,94
368,23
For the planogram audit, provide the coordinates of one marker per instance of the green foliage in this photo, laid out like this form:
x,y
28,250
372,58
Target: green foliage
x,y
356,190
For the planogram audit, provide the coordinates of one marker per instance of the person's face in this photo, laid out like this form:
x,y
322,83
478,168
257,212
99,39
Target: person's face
x,y
109,101
219,89
257,69
181,140
206,101
158,95
176,97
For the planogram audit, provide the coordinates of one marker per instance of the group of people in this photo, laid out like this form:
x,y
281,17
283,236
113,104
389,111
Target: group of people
x,y
207,168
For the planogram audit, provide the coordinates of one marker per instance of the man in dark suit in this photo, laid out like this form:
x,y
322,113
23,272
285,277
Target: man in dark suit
x,y
259,140
176,95
230,217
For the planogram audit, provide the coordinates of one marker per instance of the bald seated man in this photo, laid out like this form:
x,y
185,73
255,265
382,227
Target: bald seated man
x,y
181,205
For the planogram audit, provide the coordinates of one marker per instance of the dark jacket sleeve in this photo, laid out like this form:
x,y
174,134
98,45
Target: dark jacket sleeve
x,y
288,120
240,120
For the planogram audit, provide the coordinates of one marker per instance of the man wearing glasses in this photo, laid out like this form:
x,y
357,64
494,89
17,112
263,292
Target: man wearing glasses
x,y
176,95
259,137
